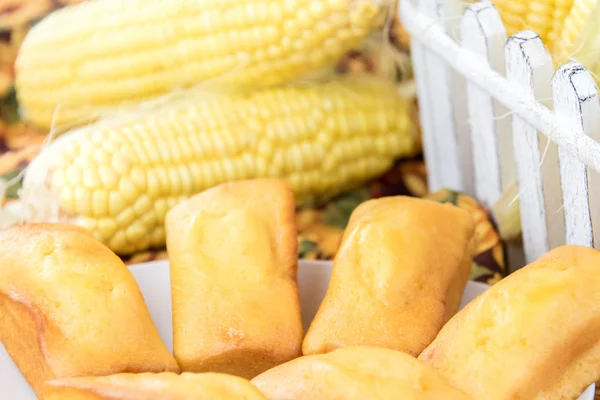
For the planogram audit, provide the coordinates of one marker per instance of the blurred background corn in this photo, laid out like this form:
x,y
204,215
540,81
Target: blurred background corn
x,y
551,19
572,29
580,38
545,17
562,8
119,178
92,56
561,24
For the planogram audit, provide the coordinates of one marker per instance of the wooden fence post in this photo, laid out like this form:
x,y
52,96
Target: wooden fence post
x,y
526,90
529,64
433,78
483,32
576,103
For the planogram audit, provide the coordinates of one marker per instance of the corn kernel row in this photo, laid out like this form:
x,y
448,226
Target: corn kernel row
x,y
118,179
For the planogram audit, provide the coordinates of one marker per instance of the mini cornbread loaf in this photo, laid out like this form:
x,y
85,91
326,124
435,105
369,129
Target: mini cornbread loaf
x,y
233,255
356,373
119,178
164,386
88,57
397,278
70,307
534,335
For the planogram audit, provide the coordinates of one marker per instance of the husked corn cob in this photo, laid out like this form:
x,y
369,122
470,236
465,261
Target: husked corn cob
x,y
540,18
589,51
92,56
119,178
545,17
559,23
513,13
580,35
570,29
507,213
562,8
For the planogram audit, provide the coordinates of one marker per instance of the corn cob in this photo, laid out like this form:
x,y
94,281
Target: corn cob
x,y
580,36
507,213
545,17
575,34
119,178
513,14
96,55
562,8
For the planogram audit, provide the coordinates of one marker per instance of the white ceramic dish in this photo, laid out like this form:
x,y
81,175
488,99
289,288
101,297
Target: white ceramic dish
x,y
153,279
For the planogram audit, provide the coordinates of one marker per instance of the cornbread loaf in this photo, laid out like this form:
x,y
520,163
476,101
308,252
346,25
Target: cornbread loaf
x,y
70,307
398,276
163,386
233,254
356,373
534,335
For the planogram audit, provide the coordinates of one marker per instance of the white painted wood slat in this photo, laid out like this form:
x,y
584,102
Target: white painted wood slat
x,y
483,32
576,100
526,58
431,36
436,108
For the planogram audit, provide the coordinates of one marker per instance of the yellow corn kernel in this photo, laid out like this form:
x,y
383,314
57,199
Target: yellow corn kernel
x,y
562,8
513,13
320,160
539,17
507,213
89,58
580,37
545,17
572,29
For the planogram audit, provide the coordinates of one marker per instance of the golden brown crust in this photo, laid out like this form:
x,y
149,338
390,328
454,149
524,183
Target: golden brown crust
x,y
163,386
397,278
532,335
233,254
356,373
20,324
70,307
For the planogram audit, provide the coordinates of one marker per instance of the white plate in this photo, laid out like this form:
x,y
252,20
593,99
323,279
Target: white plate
x,y
153,279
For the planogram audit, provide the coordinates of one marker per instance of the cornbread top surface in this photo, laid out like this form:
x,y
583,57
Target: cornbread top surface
x,y
90,316
360,373
523,336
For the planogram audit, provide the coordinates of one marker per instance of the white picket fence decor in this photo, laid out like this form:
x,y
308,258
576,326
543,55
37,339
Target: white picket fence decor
x,y
494,112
